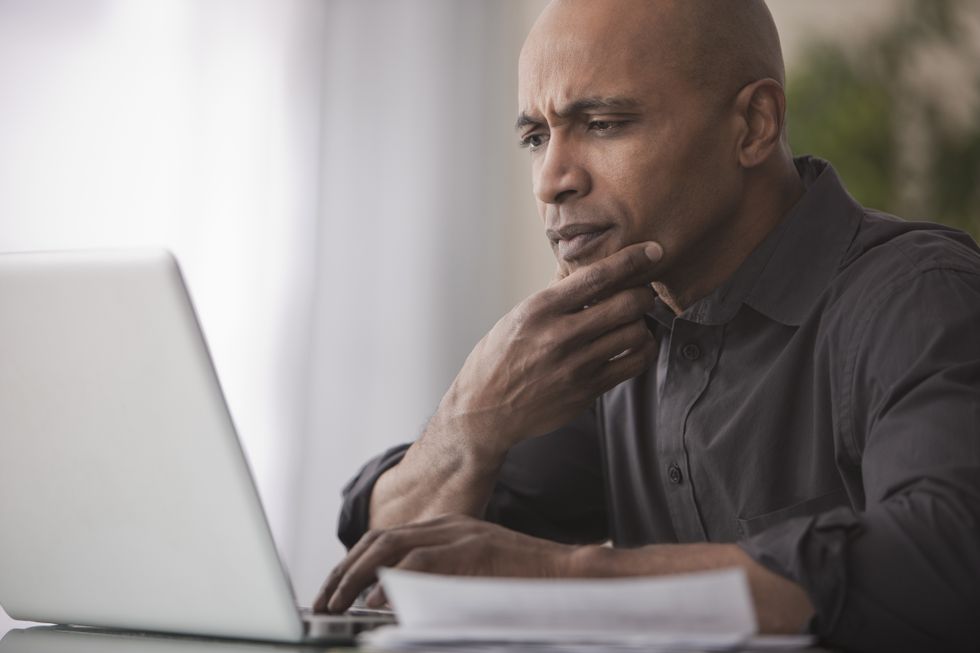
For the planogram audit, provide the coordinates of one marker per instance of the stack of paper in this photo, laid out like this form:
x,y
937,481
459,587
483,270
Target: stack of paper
x,y
702,611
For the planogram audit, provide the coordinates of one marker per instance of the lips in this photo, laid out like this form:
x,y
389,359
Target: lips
x,y
577,241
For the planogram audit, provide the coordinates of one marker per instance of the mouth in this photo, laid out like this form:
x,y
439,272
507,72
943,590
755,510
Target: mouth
x,y
577,241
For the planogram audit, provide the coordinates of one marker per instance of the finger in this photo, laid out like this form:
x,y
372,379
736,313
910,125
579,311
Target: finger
x,y
631,364
363,545
338,572
560,273
628,337
625,307
631,266
386,550
377,598
437,558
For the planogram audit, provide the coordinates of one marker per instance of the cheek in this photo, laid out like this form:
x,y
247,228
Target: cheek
x,y
677,188
640,182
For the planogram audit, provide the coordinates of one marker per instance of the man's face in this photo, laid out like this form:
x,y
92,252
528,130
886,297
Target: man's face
x,y
623,147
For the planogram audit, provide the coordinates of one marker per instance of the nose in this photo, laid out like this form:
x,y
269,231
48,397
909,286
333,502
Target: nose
x,y
561,174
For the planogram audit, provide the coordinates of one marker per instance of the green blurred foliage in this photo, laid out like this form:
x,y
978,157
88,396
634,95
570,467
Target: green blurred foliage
x,y
852,104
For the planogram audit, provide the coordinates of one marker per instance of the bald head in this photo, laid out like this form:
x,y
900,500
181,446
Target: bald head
x,y
716,45
725,43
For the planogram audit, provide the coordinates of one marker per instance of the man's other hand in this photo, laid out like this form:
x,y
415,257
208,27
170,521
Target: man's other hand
x,y
554,353
453,544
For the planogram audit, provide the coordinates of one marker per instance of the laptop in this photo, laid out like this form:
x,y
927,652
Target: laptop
x,y
126,501
75,639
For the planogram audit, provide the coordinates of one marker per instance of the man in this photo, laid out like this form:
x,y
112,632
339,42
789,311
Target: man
x,y
800,396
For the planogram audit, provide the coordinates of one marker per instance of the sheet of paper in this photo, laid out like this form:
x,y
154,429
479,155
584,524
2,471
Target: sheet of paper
x,y
397,639
542,641
705,611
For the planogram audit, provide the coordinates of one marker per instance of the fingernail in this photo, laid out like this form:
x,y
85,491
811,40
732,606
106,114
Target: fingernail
x,y
654,251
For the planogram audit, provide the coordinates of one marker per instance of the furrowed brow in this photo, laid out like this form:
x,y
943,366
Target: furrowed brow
x,y
598,104
524,120
583,105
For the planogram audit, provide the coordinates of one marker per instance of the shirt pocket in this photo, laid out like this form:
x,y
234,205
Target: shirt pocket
x,y
814,506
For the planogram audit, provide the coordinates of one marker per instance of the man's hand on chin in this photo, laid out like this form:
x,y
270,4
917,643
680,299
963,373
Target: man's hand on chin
x,y
454,544
547,359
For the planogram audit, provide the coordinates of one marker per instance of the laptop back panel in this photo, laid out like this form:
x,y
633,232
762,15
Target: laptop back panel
x,y
125,499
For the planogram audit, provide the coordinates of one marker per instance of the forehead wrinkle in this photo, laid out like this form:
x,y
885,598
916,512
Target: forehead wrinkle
x,y
583,105
596,102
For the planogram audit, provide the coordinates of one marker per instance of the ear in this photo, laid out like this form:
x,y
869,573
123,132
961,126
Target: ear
x,y
761,106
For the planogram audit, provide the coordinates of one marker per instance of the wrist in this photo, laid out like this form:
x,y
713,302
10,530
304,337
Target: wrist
x,y
475,436
449,445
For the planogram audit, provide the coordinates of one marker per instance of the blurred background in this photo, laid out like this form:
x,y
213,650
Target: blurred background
x,y
341,183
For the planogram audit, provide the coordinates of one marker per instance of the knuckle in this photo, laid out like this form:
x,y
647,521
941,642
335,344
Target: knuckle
x,y
552,342
369,538
581,375
451,519
640,301
386,540
595,278
418,559
534,304
476,545
632,303
637,333
523,314
635,365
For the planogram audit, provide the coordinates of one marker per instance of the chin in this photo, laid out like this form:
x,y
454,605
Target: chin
x,y
572,266
569,266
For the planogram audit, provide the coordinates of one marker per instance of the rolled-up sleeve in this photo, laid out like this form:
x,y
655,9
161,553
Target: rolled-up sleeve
x,y
903,573
549,486
355,511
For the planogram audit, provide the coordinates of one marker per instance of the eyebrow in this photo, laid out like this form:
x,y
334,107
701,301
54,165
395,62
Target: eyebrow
x,y
581,106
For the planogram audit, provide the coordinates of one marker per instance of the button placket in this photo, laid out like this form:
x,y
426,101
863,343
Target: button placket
x,y
691,363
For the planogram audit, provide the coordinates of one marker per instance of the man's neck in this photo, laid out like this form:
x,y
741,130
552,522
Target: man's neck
x,y
720,258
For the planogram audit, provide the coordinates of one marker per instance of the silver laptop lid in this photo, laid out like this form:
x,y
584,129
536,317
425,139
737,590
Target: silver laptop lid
x,y
125,499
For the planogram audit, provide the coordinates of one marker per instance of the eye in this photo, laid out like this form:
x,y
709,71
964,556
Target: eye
x,y
533,141
604,125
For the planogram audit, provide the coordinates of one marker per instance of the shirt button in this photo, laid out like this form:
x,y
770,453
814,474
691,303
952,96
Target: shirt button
x,y
691,351
674,474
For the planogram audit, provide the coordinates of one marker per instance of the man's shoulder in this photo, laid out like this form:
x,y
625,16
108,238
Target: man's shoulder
x,y
898,267
892,248
889,254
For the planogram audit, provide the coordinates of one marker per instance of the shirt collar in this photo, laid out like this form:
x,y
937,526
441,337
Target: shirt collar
x,y
783,277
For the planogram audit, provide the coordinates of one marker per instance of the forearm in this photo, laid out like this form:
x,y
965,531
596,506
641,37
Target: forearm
x,y
781,606
441,473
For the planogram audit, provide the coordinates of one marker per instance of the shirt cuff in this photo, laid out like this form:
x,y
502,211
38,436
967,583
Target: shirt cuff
x,y
355,511
811,551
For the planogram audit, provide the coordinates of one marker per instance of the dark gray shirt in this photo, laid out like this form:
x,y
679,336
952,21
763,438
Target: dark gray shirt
x,y
821,408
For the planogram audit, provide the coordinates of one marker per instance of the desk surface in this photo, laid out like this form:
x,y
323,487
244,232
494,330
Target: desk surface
x,y
75,640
